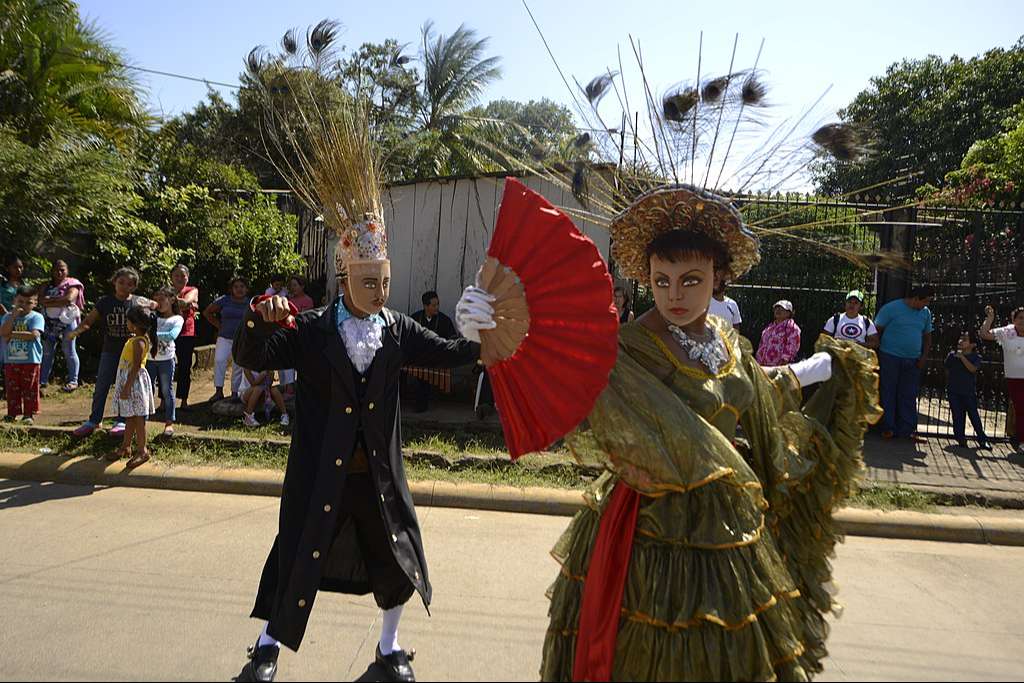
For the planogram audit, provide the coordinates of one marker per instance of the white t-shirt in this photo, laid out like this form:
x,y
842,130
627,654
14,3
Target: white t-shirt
x,y
1013,351
853,329
728,310
167,327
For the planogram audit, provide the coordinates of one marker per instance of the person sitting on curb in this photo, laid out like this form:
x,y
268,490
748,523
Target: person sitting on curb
x,y
260,386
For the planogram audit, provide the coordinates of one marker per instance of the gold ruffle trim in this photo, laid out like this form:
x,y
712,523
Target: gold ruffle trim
x,y
702,619
666,489
708,546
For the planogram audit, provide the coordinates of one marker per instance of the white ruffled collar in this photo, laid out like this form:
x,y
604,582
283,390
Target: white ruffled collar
x,y
362,337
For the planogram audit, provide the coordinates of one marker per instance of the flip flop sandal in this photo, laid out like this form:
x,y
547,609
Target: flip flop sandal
x,y
138,459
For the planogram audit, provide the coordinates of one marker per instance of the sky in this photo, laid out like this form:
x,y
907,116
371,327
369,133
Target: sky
x,y
809,46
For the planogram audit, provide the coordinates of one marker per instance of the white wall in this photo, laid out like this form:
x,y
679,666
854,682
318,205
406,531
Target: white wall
x,y
439,231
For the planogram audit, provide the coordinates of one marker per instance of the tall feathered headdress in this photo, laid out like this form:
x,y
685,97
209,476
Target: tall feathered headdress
x,y
699,143
322,140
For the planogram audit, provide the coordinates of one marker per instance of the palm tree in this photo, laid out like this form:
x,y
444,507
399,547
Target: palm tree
x,y
61,74
455,74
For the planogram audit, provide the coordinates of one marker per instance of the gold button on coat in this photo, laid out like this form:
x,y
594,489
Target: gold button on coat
x,y
327,508
338,462
370,406
316,554
394,539
251,324
348,409
302,603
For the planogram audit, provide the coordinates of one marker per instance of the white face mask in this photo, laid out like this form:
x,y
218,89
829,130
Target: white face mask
x,y
369,283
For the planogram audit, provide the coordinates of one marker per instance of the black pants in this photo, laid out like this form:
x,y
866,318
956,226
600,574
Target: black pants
x,y
391,587
184,348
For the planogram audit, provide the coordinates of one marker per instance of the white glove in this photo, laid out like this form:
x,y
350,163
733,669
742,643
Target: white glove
x,y
474,313
817,368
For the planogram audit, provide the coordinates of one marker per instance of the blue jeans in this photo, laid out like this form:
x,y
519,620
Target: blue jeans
x,y
51,336
105,377
163,370
962,406
900,382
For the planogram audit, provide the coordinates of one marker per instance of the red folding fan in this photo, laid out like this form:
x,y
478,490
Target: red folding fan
x,y
557,328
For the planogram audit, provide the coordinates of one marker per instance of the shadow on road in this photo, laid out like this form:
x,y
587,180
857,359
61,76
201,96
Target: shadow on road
x,y
22,493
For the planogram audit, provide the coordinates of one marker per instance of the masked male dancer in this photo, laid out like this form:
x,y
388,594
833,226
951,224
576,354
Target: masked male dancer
x,y
347,521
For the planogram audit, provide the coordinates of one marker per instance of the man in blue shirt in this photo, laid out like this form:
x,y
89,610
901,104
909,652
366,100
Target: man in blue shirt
x,y
905,326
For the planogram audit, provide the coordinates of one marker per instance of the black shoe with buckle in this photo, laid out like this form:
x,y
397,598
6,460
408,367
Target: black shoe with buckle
x,y
396,665
262,664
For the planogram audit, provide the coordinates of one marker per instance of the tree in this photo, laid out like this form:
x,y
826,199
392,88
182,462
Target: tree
x,y
991,173
924,114
61,72
69,186
541,130
455,73
219,239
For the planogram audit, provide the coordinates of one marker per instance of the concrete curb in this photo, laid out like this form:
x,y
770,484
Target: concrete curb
x,y
536,500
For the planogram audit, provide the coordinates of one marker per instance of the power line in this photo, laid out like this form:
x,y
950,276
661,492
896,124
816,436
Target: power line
x,y
143,69
237,86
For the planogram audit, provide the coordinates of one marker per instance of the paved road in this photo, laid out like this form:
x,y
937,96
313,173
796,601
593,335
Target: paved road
x,y
143,584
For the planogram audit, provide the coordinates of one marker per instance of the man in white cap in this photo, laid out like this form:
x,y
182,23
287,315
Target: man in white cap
x,y
851,325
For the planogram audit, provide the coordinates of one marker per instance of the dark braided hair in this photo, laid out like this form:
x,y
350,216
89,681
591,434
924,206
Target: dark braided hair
x,y
172,296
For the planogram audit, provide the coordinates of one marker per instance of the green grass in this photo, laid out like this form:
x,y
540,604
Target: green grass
x,y
894,498
53,393
177,451
458,457
537,470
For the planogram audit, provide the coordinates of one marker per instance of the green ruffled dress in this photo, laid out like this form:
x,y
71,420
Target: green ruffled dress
x,y
729,577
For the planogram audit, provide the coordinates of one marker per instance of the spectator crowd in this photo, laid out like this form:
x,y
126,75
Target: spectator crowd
x,y
148,343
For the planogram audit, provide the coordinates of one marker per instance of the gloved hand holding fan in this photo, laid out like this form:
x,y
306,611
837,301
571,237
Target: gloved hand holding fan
x,y
543,311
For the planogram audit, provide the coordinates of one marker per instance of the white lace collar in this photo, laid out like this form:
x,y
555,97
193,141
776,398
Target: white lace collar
x,y
362,337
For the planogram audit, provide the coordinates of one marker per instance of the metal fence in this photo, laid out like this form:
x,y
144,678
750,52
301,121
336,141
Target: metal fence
x,y
972,258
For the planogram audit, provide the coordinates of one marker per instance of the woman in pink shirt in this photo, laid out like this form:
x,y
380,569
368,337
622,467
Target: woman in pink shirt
x,y
780,341
188,305
297,293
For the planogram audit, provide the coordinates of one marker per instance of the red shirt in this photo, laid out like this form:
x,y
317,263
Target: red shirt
x,y
303,302
189,314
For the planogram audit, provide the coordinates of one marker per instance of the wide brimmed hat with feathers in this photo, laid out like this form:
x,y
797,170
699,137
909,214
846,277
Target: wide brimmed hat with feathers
x,y
680,207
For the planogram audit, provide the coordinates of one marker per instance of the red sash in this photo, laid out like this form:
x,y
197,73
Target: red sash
x,y
604,586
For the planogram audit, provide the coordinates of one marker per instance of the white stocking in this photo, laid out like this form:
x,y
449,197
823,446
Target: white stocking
x,y
389,630
266,639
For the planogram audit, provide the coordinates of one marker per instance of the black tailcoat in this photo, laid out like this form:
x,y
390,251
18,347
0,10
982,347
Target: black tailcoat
x,y
307,556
